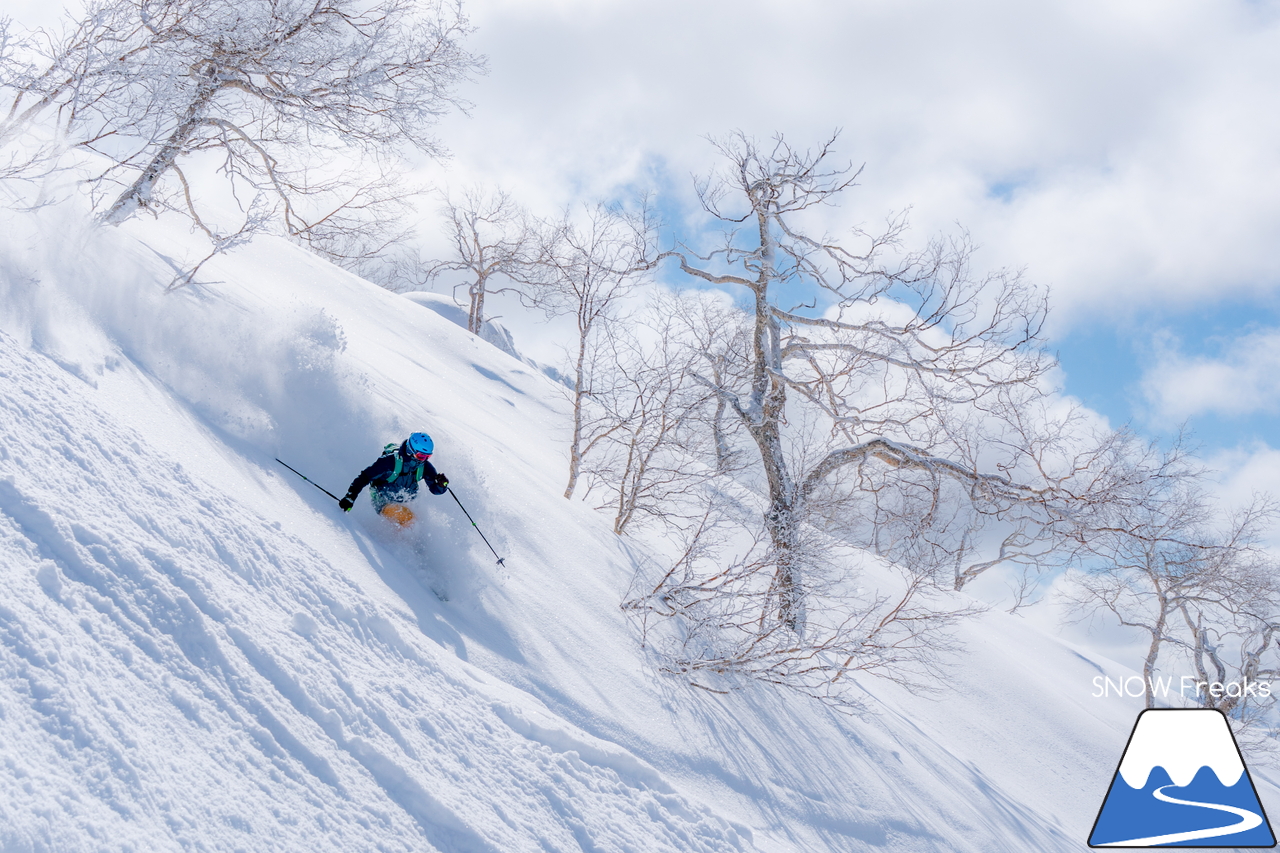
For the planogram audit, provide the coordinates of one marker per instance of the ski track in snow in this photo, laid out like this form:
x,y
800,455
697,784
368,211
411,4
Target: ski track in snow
x,y
175,674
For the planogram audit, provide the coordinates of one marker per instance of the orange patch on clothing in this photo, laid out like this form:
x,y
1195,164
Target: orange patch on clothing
x,y
399,513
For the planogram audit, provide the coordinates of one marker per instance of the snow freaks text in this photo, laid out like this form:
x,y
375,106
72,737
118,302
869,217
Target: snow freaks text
x,y
1188,686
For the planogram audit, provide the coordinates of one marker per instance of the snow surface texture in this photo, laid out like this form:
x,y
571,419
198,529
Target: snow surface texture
x,y
490,331
199,651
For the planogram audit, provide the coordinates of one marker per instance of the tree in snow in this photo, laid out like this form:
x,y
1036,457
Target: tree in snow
x,y
303,106
1202,589
585,269
656,424
492,240
910,419
21,158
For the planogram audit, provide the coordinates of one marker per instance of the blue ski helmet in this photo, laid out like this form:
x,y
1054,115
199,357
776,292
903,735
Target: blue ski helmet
x,y
420,442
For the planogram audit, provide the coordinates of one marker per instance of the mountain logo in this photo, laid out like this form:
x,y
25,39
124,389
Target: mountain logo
x,y
1181,783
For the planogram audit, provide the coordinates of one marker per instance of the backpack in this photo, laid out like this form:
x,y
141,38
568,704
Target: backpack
x,y
392,450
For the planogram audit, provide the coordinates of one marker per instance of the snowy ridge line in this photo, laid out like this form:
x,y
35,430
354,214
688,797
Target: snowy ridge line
x,y
178,673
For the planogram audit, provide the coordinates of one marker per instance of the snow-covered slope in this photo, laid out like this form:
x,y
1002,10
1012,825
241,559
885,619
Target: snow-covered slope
x,y
199,651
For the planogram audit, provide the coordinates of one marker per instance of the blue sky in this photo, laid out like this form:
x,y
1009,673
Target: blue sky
x,y
1106,365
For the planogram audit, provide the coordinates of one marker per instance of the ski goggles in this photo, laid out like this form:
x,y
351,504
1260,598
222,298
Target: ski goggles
x,y
422,457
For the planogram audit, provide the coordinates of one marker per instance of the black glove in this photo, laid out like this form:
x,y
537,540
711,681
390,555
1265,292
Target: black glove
x,y
440,484
346,503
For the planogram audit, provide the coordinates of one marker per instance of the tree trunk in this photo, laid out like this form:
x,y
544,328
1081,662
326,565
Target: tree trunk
x,y
764,422
579,392
724,455
1149,665
139,193
475,317
627,488
781,521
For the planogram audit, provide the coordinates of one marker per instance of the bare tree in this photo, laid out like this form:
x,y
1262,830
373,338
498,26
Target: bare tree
x,y
1234,634
658,426
492,239
1202,591
586,269
258,91
910,386
31,158
719,336
909,418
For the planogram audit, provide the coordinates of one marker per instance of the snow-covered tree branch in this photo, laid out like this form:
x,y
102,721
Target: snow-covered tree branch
x,y
911,417
1201,588
275,96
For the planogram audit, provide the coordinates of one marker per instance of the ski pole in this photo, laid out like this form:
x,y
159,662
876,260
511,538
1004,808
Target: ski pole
x,y
308,479
473,524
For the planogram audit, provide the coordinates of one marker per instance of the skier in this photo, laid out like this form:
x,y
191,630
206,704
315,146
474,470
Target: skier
x,y
393,478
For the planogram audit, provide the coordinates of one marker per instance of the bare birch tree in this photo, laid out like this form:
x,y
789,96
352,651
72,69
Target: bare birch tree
x,y
909,419
276,96
492,240
897,369
1203,591
659,427
586,269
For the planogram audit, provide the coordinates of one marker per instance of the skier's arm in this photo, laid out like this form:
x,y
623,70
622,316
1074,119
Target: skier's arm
x,y
381,466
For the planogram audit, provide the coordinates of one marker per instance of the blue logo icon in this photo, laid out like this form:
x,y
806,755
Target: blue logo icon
x,y
1182,783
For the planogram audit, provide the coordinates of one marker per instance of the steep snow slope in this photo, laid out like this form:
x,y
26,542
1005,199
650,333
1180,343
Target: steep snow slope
x,y
200,651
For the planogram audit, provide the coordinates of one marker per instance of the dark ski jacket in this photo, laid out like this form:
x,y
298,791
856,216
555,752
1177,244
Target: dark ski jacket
x,y
380,476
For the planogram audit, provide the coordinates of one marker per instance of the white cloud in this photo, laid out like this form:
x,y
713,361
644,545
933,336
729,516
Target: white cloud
x,y
1243,473
1127,153
1247,470
1243,380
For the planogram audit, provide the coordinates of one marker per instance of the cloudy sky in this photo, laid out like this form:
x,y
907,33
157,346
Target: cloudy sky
x,y
1125,153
